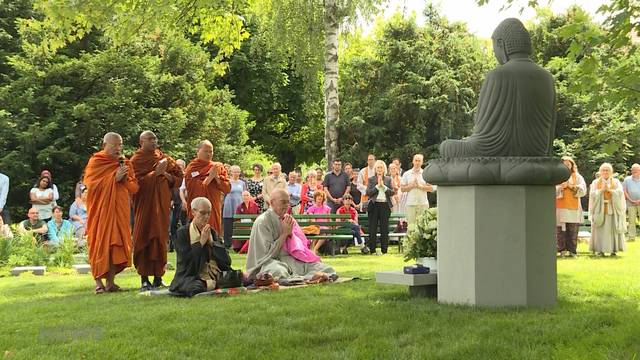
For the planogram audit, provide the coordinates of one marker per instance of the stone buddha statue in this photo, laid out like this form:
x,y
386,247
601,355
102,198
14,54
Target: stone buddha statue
x,y
516,109
514,125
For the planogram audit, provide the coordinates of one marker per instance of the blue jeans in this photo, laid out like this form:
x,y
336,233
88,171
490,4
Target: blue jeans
x,y
355,230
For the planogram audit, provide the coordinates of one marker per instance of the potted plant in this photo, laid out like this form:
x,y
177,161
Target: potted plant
x,y
422,240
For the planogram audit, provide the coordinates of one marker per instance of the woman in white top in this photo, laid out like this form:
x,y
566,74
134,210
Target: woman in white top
x,y
607,212
42,198
569,209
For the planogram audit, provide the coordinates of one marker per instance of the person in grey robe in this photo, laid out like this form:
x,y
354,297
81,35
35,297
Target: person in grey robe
x,y
607,212
266,253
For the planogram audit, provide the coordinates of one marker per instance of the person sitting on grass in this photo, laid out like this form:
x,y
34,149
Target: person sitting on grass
x,y
318,207
266,246
347,208
58,228
78,216
34,226
203,263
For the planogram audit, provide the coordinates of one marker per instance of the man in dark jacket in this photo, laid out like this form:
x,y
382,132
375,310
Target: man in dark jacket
x,y
203,262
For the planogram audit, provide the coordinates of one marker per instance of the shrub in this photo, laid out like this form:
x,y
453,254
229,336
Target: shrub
x,y
422,240
63,255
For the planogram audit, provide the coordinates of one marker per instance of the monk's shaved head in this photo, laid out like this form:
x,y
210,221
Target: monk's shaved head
x,y
112,144
201,203
204,150
204,143
148,141
110,137
279,201
147,134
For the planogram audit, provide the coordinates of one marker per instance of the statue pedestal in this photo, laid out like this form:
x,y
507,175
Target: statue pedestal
x,y
496,245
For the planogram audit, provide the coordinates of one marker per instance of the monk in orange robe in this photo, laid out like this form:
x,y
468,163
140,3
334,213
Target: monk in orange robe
x,y
209,179
110,180
158,175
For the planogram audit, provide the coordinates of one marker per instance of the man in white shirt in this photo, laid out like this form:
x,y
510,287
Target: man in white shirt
x,y
416,189
4,191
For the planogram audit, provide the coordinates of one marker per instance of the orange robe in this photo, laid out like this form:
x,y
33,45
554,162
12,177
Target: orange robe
x,y
108,214
151,205
194,175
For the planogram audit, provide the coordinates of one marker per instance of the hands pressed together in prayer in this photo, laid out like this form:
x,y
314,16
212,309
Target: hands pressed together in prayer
x,y
287,224
566,185
122,173
161,167
416,185
205,234
213,175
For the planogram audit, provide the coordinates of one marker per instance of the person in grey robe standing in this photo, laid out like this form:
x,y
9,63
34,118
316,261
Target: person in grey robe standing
x,y
268,234
607,212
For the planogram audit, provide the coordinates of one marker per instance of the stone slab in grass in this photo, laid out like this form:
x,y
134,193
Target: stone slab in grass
x,y
420,285
36,270
82,268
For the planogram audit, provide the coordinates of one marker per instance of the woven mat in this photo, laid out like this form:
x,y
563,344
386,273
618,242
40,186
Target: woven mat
x,y
242,290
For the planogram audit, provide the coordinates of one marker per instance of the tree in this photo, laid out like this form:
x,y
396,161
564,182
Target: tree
x,y
294,29
417,87
10,12
56,112
287,119
217,22
593,126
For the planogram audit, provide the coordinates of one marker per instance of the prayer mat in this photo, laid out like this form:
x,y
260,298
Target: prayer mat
x,y
216,292
243,290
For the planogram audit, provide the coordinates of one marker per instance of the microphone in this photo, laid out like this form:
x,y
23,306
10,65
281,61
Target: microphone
x,y
121,160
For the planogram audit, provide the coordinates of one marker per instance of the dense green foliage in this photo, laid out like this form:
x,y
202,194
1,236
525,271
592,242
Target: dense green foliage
x,y
595,123
55,113
416,87
287,116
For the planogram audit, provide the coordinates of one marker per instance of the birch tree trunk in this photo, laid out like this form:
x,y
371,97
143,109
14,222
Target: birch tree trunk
x,y
331,103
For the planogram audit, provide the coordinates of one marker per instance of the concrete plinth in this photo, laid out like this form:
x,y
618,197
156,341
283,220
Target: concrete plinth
x,y
496,245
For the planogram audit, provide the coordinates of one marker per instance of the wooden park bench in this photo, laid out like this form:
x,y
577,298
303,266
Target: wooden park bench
x,y
333,227
394,220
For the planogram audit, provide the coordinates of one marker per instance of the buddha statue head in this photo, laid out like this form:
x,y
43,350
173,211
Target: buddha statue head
x,y
509,38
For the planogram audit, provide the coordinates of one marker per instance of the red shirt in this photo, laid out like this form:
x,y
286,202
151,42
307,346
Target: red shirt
x,y
353,214
251,209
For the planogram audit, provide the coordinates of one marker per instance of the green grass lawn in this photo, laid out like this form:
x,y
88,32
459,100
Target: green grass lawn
x,y
58,316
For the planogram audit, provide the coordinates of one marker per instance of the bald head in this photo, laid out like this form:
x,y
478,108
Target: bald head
x,y
111,137
204,150
148,141
279,201
112,144
181,164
